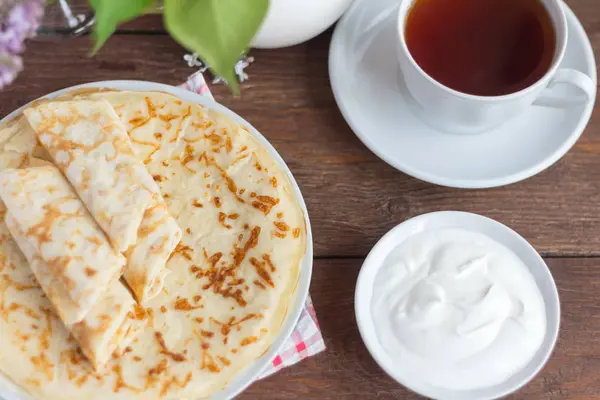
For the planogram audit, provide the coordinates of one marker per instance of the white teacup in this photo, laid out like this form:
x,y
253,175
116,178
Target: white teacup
x,y
456,112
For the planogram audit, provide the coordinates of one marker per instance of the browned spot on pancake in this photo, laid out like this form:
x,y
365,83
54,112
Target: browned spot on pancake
x,y
43,365
95,240
43,230
90,271
167,117
282,226
184,250
259,284
279,215
159,178
214,259
238,159
251,243
273,181
164,350
296,233
159,368
268,200
183,304
186,114
46,335
261,270
151,107
267,259
158,135
120,383
213,137
279,235
217,202
136,122
226,327
188,231
224,360
257,166
163,309
207,334
175,381
261,207
197,298
228,144
137,358
222,218
197,204
17,285
233,216
199,320
138,313
248,340
81,380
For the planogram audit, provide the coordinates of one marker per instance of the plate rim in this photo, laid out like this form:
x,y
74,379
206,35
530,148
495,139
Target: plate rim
x,y
248,375
441,180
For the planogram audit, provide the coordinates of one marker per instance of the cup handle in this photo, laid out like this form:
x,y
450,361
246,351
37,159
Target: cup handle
x,y
572,77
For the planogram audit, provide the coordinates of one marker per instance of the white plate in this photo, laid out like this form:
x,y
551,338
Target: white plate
x,y
368,88
252,372
475,223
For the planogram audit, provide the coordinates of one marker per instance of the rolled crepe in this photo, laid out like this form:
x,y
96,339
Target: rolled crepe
x,y
90,145
103,329
77,258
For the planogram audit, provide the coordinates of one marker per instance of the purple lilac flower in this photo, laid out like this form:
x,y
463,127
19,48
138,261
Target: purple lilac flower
x,y
19,20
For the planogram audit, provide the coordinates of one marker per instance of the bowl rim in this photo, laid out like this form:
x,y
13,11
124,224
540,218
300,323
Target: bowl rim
x,y
456,219
251,373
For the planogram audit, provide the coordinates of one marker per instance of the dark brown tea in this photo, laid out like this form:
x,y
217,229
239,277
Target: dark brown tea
x,y
481,47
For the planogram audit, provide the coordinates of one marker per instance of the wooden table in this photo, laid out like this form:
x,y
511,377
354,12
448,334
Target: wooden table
x,y
354,198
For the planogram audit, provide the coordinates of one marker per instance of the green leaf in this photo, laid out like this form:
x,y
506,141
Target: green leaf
x,y
110,13
218,30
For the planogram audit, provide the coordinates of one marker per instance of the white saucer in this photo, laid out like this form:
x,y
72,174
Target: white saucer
x,y
474,223
366,82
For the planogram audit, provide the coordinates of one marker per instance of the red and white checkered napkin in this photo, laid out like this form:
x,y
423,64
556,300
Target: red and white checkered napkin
x,y
306,339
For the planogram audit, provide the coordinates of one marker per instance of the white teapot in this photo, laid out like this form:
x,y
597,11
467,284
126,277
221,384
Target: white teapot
x,y
289,22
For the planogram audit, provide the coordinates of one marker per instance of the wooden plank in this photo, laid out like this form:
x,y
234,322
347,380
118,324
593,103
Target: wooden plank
x,y
347,371
352,196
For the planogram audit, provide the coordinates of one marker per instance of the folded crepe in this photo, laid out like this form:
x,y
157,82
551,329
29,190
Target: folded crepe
x,y
77,261
89,143
105,326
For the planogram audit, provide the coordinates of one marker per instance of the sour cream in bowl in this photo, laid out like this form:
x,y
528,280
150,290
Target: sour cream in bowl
x,y
457,306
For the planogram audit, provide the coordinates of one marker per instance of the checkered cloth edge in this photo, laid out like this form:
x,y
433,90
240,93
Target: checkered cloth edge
x,y
306,339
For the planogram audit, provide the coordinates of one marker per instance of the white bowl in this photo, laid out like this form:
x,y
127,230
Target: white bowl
x,y
497,232
10,391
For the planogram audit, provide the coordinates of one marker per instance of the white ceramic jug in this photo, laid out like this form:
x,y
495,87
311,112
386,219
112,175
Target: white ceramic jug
x,y
289,22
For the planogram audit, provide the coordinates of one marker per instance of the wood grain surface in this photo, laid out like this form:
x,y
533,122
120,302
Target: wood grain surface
x,y
354,198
